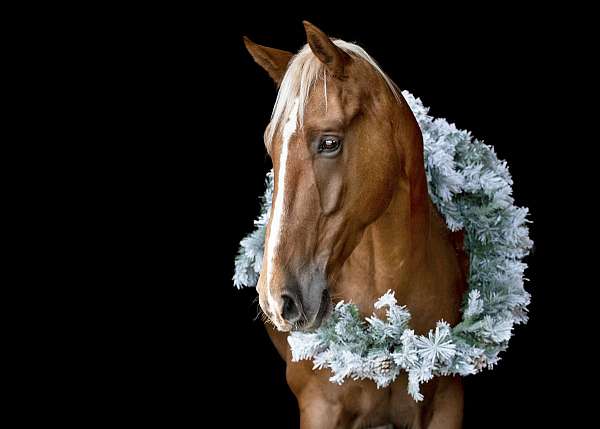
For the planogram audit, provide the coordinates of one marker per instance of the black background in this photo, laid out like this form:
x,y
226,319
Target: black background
x,y
183,137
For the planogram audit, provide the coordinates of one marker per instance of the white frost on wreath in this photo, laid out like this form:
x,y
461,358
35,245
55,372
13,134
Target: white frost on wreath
x,y
473,191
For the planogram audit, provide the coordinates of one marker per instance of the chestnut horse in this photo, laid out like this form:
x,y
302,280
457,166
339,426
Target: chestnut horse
x,y
352,218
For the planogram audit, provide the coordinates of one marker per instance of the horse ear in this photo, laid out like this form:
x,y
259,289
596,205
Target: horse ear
x,y
274,61
333,57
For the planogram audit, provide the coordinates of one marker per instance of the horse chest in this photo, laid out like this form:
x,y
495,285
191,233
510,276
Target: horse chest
x,y
354,404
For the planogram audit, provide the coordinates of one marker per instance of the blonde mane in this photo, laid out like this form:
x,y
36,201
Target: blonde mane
x,y
303,71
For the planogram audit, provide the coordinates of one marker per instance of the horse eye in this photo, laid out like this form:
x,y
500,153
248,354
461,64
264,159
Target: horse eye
x,y
329,144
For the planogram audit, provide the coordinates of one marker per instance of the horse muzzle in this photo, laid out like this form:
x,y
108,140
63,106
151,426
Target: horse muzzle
x,y
291,309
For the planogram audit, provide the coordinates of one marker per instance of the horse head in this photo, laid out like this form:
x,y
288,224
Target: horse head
x,y
335,139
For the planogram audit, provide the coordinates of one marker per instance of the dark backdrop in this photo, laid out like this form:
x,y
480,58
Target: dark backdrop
x,y
189,166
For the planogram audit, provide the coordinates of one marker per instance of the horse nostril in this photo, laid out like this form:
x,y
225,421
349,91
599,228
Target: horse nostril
x,y
290,311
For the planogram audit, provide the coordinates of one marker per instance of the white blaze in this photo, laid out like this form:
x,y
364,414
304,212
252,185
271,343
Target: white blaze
x,y
278,209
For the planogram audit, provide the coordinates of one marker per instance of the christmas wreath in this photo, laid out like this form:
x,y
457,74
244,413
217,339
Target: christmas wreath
x,y
472,189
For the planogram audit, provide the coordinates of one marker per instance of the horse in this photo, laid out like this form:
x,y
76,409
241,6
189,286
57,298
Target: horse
x,y
351,218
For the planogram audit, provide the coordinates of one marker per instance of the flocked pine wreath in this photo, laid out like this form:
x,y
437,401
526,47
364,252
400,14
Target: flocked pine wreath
x,y
472,189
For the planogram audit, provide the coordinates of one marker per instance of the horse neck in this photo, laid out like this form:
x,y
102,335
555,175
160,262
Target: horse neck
x,y
397,249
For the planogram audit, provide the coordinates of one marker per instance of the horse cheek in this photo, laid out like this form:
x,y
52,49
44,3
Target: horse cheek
x,y
330,185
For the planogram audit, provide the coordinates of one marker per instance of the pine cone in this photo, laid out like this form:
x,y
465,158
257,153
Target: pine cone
x,y
479,363
383,365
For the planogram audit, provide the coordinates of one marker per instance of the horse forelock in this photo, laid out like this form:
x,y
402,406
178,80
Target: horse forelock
x,y
303,71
